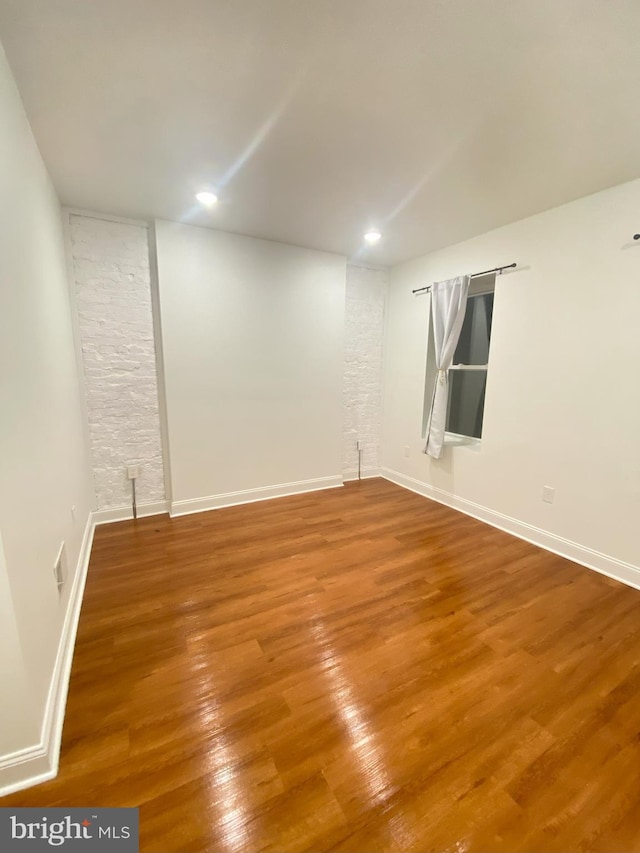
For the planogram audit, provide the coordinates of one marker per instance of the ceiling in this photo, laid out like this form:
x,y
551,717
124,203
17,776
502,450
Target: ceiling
x,y
314,120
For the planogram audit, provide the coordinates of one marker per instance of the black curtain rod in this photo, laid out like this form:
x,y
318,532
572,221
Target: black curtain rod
x,y
474,275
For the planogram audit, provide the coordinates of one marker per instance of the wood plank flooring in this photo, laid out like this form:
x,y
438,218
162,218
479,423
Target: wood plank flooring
x,y
355,670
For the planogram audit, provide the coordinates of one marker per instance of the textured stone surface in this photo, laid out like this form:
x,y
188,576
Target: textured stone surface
x,y
366,296
112,284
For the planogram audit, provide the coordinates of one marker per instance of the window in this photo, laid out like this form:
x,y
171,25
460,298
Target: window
x,y
468,372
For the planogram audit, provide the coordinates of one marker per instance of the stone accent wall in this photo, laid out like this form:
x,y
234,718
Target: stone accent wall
x,y
113,294
366,297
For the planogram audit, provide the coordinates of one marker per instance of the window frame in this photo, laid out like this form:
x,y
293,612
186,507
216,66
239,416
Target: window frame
x,y
480,287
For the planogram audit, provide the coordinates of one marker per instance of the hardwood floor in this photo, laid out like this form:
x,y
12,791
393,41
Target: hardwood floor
x,y
357,670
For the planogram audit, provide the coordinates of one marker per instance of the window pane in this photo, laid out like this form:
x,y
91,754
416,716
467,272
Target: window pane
x,y
466,402
473,346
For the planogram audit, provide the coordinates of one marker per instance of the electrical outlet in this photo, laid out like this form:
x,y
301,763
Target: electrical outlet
x,y
548,494
133,471
60,567
407,452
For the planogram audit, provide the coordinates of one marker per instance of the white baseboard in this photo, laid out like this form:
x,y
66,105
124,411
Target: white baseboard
x,y
24,769
365,474
125,513
38,763
610,566
247,496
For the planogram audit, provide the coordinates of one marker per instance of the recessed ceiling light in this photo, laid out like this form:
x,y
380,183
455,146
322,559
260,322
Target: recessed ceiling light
x,y
372,237
207,198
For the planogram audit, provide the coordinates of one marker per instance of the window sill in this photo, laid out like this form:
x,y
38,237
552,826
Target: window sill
x,y
452,439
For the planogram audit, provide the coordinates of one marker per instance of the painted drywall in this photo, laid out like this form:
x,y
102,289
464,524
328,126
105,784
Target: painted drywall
x,y
252,335
17,729
43,450
562,405
366,296
112,288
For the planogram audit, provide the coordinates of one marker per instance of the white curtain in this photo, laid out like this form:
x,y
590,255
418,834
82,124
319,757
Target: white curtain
x,y
448,305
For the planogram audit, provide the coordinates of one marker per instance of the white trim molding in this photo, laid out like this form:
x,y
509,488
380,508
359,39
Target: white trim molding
x,y
365,474
125,513
25,768
38,763
610,566
247,496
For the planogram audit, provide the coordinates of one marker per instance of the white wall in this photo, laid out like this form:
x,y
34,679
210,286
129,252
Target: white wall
x,y
252,336
17,728
43,458
113,298
366,296
562,404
